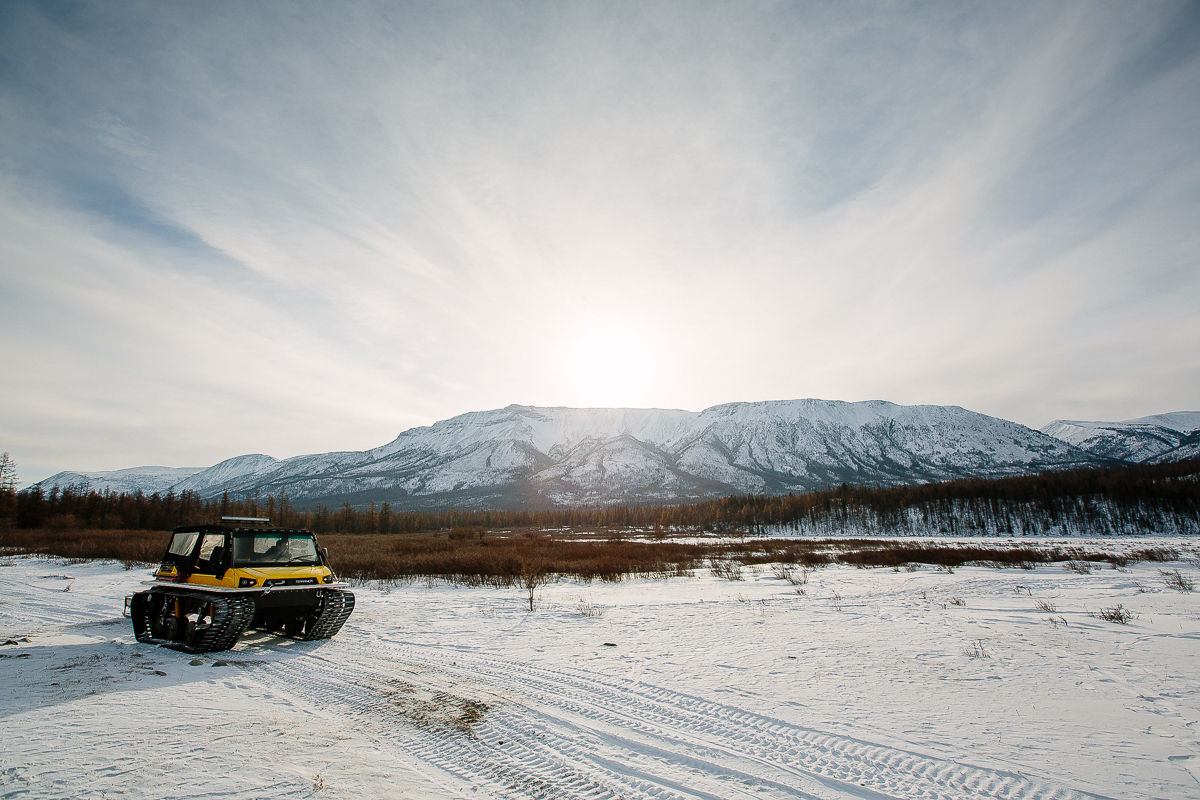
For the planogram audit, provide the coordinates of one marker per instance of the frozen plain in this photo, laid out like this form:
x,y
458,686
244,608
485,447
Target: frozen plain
x,y
709,689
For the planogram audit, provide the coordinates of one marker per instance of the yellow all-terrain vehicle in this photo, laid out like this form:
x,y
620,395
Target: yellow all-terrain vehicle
x,y
217,580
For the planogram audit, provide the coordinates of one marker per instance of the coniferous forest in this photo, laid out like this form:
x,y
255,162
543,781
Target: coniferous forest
x,y
1160,498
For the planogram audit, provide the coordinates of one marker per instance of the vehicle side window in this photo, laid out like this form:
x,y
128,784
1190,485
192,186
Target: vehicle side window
x,y
211,540
182,543
208,546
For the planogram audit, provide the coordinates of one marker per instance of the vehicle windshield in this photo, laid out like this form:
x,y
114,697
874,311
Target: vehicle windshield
x,y
274,549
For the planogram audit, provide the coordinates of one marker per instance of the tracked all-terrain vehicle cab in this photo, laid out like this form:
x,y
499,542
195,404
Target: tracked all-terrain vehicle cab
x,y
215,581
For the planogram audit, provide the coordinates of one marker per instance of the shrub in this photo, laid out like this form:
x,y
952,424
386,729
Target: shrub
x,y
470,532
1155,554
976,650
1045,606
586,608
62,522
788,572
466,556
132,548
533,575
1176,580
724,568
1118,614
497,561
784,572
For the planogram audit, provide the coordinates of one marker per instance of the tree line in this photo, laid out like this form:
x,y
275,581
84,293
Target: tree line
x,y
1162,498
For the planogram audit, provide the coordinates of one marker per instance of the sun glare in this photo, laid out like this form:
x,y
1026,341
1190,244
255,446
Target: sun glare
x,y
609,366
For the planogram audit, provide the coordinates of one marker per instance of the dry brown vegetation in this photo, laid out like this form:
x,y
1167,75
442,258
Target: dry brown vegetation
x,y
508,558
505,560
129,547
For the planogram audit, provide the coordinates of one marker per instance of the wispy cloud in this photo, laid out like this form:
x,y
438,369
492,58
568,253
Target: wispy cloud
x,y
290,228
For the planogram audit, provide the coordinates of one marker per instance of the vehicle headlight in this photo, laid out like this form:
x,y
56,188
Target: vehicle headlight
x,y
244,582
327,579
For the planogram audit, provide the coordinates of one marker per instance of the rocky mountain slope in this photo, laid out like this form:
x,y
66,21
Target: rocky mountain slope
x,y
1162,437
524,456
123,481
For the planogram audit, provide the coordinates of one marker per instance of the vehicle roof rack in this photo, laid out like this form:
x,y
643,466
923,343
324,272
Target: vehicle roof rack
x,y
253,520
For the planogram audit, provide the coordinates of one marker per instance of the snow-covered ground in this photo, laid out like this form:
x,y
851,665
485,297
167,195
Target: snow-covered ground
x,y
679,688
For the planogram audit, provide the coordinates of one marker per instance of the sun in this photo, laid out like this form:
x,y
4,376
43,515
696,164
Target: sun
x,y
609,366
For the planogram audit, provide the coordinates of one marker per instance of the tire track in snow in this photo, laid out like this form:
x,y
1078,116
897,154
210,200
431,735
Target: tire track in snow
x,y
526,766
566,732
668,715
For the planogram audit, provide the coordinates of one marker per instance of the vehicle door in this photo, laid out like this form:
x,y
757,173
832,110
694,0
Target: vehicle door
x,y
181,550
210,560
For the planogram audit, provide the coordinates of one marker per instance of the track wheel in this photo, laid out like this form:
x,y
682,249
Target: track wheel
x,y
189,630
171,627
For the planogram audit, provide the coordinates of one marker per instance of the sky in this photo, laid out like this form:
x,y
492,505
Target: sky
x,y
288,227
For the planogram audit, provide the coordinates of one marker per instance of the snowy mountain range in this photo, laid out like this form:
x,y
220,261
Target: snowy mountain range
x,y
134,479
529,457
1162,437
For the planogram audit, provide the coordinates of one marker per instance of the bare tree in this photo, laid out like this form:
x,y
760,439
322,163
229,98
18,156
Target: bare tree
x,y
8,474
8,492
533,575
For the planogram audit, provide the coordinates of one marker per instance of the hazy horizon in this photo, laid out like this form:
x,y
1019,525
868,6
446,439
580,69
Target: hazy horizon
x,y
298,228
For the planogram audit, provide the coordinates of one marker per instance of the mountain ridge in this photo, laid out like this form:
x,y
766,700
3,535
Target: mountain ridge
x,y
1160,437
531,456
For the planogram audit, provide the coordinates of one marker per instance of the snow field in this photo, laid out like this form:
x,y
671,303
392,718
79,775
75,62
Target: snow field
x,y
873,683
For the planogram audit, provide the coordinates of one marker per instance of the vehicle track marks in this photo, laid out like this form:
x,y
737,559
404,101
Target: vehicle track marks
x,y
564,732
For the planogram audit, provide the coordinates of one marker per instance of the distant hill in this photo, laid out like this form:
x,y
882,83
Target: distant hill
x,y
532,457
123,481
1156,439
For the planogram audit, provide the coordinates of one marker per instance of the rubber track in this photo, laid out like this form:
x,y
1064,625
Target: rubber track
x,y
231,615
335,610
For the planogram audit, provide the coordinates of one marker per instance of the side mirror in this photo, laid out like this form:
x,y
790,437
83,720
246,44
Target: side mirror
x,y
325,554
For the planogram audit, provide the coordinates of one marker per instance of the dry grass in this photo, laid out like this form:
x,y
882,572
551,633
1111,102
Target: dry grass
x,y
1155,554
976,650
477,557
789,573
505,561
1174,579
586,608
728,569
132,548
1118,614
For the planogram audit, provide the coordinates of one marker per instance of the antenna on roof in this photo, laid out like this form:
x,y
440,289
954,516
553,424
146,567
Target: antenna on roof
x,y
253,520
